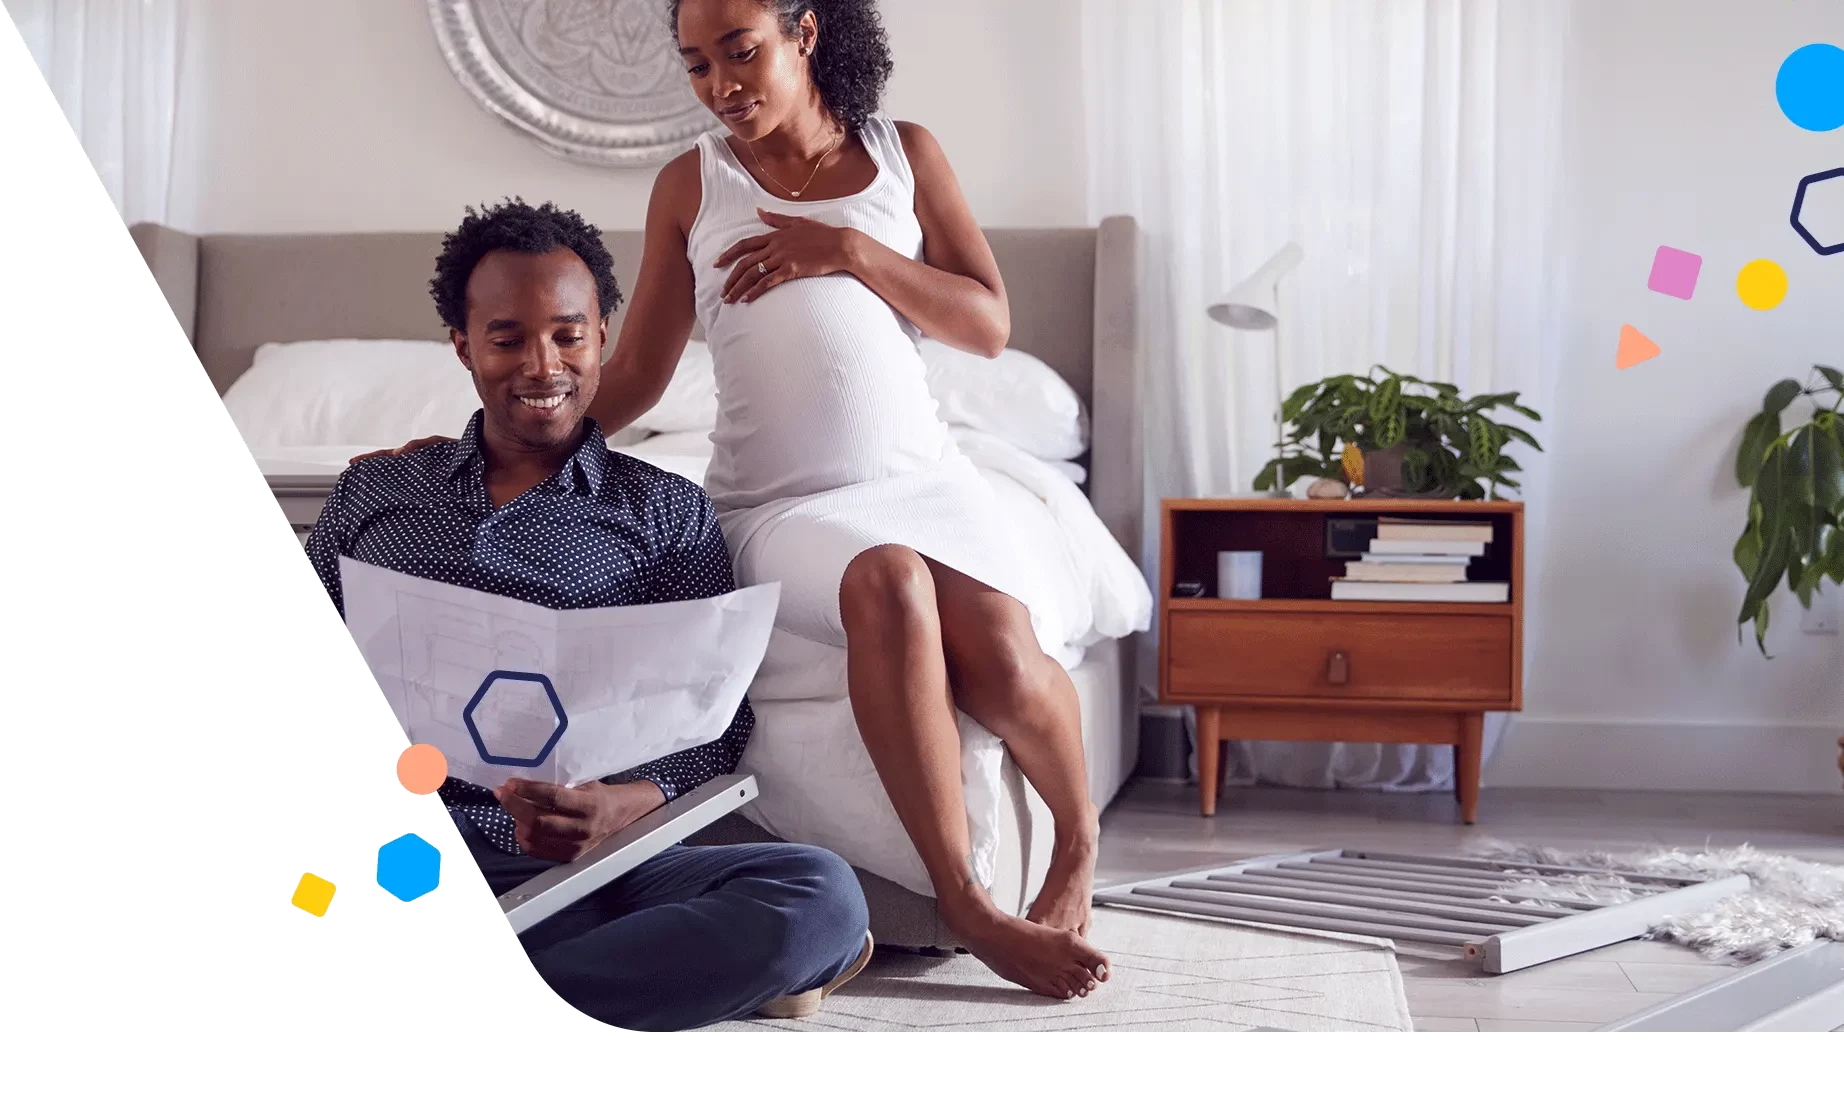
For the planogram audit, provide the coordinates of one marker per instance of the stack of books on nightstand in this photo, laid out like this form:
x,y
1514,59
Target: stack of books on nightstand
x,y
1416,560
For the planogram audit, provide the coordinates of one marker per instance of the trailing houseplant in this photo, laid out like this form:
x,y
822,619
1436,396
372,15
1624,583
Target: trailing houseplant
x,y
1795,482
1395,434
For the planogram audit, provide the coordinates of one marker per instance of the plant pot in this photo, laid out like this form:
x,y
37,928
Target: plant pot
x,y
1383,472
1383,476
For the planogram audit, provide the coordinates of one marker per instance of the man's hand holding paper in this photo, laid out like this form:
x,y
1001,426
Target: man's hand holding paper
x,y
561,824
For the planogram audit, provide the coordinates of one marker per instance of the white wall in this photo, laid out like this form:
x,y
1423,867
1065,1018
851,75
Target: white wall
x,y
340,115
1634,674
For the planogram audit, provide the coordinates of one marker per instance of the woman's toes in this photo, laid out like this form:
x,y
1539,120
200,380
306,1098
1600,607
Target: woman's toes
x,y
1093,961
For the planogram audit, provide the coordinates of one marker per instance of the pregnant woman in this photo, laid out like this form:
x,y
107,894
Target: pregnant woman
x,y
814,243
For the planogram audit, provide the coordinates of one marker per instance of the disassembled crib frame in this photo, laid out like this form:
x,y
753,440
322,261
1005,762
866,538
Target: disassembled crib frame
x,y
1442,901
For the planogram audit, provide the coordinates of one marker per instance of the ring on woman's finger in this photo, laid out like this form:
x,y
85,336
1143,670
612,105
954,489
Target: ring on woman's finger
x,y
761,268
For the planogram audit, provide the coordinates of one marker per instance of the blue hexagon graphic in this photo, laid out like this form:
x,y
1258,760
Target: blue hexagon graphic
x,y
473,730
409,867
1829,201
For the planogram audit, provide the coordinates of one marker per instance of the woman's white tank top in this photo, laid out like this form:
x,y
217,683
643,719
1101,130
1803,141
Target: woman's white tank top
x,y
819,383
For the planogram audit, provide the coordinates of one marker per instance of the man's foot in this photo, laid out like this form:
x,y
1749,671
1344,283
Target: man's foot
x,y
1049,961
1069,885
803,1004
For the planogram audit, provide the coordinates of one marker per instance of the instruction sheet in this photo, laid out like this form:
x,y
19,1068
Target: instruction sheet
x,y
511,689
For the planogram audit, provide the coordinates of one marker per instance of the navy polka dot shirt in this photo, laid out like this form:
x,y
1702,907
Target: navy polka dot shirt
x,y
606,530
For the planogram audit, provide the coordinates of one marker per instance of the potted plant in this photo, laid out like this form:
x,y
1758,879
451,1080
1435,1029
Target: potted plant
x,y
1401,436
1795,483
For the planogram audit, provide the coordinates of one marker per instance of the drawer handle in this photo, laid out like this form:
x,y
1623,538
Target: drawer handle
x,y
1338,669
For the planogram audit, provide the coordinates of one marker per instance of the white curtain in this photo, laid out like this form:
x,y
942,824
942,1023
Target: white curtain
x,y
114,66
1411,147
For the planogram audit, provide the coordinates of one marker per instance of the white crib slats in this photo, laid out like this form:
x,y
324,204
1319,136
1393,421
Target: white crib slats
x,y
1471,903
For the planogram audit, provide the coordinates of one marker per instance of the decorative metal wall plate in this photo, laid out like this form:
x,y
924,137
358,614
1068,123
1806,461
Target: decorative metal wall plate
x,y
594,81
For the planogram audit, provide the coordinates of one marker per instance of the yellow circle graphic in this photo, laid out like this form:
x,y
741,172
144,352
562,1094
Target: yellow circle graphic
x,y
1761,284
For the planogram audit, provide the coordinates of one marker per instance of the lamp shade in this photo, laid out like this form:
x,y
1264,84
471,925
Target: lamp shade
x,y
1250,305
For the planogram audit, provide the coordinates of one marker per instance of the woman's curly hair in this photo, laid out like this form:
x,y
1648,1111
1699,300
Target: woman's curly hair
x,y
851,59
513,225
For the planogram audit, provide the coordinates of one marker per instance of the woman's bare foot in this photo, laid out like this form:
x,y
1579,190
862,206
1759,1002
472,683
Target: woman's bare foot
x,y
1069,885
1049,961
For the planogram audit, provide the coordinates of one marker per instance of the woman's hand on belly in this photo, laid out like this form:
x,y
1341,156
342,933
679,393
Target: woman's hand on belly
x,y
797,248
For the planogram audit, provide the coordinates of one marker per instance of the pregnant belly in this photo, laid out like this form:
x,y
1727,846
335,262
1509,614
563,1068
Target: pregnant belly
x,y
819,385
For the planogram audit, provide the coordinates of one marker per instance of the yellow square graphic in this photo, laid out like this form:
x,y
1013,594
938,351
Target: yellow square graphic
x,y
313,894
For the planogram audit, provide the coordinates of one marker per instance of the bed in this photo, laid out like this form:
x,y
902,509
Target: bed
x,y
1072,293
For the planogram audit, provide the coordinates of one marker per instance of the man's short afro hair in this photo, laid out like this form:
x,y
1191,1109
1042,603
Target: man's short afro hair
x,y
514,225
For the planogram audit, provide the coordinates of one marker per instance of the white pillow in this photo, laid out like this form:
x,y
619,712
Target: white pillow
x,y
388,392
693,442
1016,397
381,392
690,401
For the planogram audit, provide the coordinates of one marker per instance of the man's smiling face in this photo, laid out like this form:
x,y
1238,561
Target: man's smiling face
x,y
534,344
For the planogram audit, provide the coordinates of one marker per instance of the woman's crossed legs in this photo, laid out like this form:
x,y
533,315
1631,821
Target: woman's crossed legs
x,y
922,638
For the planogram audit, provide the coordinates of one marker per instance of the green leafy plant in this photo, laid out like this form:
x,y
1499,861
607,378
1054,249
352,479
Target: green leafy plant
x,y
1795,480
1450,446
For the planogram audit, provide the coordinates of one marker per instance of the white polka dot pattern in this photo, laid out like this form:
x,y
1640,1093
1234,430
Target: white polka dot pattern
x,y
606,530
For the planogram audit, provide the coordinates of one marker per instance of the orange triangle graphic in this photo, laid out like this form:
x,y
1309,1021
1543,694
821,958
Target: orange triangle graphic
x,y
1635,348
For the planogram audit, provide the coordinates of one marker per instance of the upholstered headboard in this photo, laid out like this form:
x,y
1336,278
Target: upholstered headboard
x,y
1072,295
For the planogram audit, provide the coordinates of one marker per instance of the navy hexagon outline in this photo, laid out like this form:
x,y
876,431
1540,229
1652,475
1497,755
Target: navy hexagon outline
x,y
563,720
1799,201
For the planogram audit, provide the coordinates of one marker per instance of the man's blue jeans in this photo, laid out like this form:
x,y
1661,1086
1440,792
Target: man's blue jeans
x,y
697,935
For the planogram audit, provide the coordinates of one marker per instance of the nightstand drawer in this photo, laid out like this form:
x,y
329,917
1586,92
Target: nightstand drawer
x,y
1441,658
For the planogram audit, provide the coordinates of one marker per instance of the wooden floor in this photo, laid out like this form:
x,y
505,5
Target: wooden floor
x,y
1154,828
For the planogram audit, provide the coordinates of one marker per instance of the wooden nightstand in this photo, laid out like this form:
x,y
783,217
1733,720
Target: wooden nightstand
x,y
1297,666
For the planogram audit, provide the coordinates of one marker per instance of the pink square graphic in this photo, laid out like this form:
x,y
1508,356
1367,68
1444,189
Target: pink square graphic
x,y
1674,273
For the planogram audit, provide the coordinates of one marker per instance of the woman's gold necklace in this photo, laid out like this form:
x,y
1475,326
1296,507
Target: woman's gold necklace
x,y
795,193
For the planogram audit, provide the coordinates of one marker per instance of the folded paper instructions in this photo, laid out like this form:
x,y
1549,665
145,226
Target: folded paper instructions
x,y
511,689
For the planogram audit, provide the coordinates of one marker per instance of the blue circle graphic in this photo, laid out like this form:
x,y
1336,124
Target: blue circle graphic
x,y
1810,87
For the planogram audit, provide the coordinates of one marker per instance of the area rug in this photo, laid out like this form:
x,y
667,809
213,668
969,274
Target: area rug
x,y
1168,973
1789,903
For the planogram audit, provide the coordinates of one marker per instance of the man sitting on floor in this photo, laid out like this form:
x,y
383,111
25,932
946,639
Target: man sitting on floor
x,y
531,504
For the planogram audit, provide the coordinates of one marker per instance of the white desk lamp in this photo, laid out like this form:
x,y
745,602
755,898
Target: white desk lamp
x,y
1254,306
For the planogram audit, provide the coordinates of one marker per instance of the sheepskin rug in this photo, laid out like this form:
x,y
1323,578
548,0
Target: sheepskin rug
x,y
1789,903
